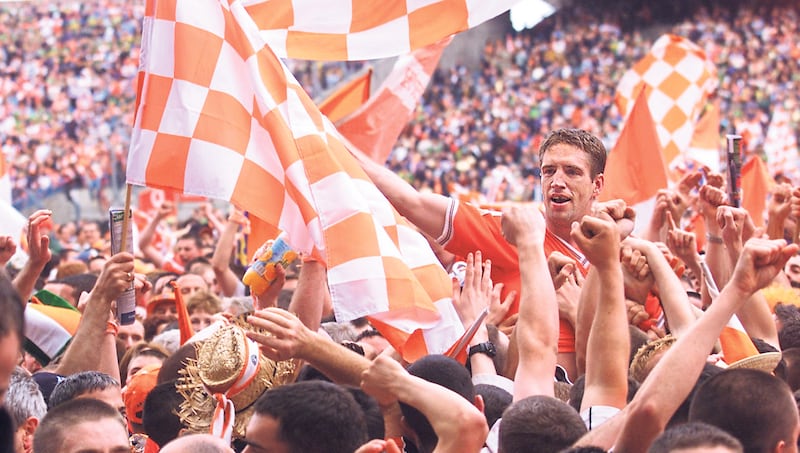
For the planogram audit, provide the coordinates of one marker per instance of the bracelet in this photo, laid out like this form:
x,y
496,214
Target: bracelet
x,y
112,328
714,239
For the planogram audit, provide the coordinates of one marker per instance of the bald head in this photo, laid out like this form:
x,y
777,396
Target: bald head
x,y
197,443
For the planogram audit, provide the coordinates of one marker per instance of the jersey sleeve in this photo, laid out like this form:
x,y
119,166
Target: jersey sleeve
x,y
468,229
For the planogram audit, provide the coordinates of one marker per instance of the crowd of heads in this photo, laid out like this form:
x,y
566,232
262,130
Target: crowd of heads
x,y
206,365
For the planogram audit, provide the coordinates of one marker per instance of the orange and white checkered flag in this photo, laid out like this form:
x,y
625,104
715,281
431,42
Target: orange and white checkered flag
x,y
219,115
364,29
681,77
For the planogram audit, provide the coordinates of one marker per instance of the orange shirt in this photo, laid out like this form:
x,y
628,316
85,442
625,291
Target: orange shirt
x,y
468,229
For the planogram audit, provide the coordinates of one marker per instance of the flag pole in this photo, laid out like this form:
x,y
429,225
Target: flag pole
x,y
126,218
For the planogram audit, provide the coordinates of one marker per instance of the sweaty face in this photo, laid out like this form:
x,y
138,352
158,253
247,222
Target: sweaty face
x,y
568,187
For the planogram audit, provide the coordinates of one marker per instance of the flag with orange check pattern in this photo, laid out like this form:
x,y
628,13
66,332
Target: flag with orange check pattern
x,y
682,77
364,29
219,115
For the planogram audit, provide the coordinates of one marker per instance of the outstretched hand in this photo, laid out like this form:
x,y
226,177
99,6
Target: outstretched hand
x,y
286,336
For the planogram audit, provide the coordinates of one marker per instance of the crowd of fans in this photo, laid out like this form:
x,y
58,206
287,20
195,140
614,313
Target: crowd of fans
x,y
585,337
476,127
67,92
68,72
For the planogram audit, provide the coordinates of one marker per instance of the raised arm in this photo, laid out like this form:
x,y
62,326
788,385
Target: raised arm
x,y
737,227
147,235
537,326
671,293
92,348
459,425
426,211
288,338
220,260
675,374
39,253
608,340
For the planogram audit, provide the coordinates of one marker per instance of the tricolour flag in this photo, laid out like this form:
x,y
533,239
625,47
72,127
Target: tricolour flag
x,y
346,99
364,29
781,146
682,77
219,115
375,126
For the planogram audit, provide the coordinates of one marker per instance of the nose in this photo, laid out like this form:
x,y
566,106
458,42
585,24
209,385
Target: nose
x,y
558,179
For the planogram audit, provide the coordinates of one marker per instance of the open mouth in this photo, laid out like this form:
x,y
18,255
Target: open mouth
x,y
559,199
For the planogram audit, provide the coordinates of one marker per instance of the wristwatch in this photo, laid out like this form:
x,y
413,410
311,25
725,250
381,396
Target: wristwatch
x,y
486,347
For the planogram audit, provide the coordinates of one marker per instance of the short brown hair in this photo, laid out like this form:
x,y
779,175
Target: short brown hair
x,y
582,140
204,301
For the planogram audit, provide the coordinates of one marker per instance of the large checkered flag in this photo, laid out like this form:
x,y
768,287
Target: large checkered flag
x,y
364,29
681,77
219,115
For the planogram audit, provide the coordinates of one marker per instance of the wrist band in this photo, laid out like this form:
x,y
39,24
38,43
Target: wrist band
x,y
714,239
112,328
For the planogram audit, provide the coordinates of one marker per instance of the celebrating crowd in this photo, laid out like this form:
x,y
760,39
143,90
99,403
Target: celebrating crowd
x,y
583,335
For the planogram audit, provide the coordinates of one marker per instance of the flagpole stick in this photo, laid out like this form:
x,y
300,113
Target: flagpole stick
x,y
126,218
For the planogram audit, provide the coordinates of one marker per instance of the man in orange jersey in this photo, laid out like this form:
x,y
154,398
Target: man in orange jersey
x,y
572,163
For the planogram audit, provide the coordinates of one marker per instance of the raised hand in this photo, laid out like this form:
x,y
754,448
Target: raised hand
x,y
683,244
286,337
561,267
598,238
622,214
759,262
523,225
116,276
38,241
378,379
476,294
7,249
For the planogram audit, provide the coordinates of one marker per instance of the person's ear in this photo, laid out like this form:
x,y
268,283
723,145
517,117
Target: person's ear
x,y
479,403
29,427
599,183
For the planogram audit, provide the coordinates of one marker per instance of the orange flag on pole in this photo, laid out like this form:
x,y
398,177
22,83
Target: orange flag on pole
x,y
704,147
635,170
375,126
756,185
348,98
184,323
